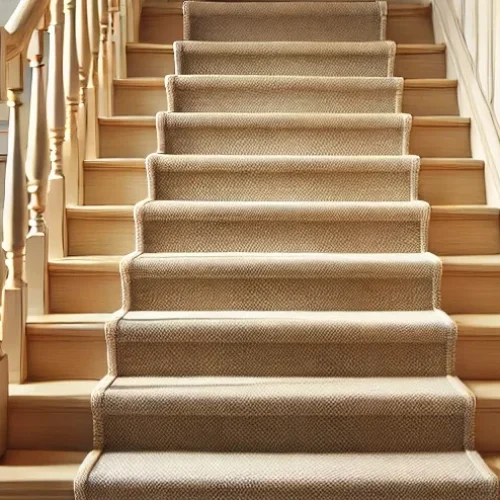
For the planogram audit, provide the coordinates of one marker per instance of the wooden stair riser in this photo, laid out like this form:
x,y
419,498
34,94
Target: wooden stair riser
x,y
68,426
463,292
148,60
423,98
126,184
55,352
162,23
440,138
91,233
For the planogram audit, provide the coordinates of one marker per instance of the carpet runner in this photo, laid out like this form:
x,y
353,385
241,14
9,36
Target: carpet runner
x,y
280,333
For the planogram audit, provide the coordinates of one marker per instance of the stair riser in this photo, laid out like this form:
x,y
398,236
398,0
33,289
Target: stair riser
x,y
70,428
147,101
137,141
472,293
54,357
154,292
92,236
277,434
161,26
158,64
127,186
318,22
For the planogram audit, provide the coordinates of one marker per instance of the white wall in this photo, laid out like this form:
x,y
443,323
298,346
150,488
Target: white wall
x,y
6,9
471,31
479,21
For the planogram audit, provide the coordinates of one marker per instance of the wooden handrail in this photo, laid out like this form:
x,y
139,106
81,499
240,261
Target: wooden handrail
x,y
21,25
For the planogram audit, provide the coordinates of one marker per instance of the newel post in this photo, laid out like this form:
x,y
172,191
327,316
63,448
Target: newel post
x,y
56,115
37,172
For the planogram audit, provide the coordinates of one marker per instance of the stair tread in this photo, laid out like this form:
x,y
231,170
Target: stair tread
x,y
51,319
35,471
238,470
409,83
405,48
394,9
426,163
417,121
479,324
126,211
261,396
470,325
76,390
111,262
301,263
472,263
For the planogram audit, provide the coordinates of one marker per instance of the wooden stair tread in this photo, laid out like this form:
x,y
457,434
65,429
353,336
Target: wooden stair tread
x,y
470,325
76,393
418,121
88,263
487,325
410,83
150,47
426,163
472,263
77,319
34,474
72,346
96,263
394,9
402,48
474,212
31,474
50,394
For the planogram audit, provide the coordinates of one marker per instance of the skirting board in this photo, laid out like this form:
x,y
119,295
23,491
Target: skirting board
x,y
485,140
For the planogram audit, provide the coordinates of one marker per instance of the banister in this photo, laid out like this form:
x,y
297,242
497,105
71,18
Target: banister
x,y
21,25
87,49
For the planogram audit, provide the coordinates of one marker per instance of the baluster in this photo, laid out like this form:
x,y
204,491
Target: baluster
x,y
92,149
71,155
84,59
134,8
56,202
103,61
15,225
37,171
120,37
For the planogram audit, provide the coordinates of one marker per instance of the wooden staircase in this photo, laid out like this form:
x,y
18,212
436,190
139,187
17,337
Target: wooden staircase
x,y
50,424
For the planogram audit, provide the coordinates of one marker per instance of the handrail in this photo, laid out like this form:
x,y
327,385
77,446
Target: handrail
x,y
86,52
21,25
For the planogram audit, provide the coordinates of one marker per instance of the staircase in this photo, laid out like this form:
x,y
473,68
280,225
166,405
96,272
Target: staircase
x,y
312,267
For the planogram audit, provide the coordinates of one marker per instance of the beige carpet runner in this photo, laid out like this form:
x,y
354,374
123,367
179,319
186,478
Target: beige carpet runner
x,y
280,335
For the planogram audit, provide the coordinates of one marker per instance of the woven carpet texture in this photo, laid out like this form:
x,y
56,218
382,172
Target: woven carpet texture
x,y
280,335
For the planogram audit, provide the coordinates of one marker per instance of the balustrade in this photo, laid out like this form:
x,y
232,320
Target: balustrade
x,y
87,40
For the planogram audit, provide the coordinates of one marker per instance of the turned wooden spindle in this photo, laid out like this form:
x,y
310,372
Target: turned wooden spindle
x,y
92,146
37,157
118,11
72,92
84,68
37,173
15,212
103,60
15,228
56,116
